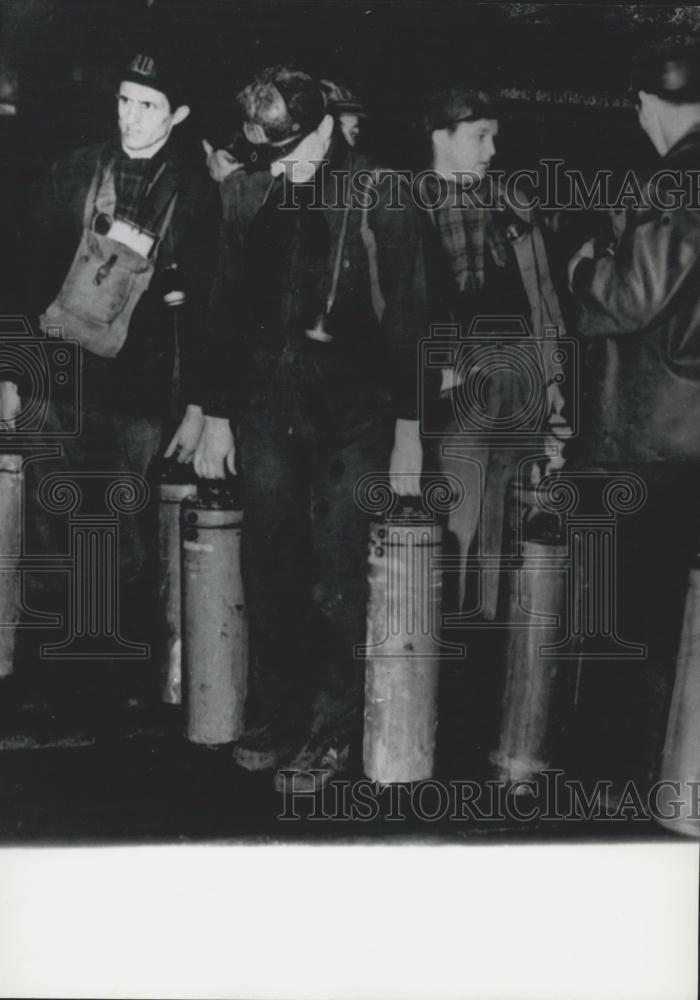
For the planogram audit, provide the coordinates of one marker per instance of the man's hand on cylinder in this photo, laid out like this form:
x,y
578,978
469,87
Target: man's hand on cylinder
x,y
9,405
406,461
186,438
557,431
216,451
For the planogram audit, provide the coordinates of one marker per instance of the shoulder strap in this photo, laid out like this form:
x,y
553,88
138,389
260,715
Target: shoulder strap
x,y
96,183
164,244
370,243
338,259
167,218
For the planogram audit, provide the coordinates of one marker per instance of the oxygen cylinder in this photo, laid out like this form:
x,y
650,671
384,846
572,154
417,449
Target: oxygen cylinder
x,y
537,688
401,677
215,627
177,483
678,809
10,545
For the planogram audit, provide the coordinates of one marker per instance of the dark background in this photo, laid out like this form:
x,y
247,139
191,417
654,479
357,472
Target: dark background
x,y
58,60
64,52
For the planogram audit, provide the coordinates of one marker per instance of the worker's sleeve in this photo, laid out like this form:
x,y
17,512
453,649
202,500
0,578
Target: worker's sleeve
x,y
402,274
223,360
49,239
656,261
199,261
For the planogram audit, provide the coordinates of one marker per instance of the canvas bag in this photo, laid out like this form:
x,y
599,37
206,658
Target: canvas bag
x,y
105,280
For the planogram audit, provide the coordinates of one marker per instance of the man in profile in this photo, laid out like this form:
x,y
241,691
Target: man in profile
x,y
491,273
638,310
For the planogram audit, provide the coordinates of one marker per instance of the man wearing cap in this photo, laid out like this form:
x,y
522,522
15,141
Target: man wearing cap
x,y
346,108
319,304
492,274
137,190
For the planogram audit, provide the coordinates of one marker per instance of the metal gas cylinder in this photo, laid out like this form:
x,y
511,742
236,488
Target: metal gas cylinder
x,y
215,626
677,804
538,689
177,483
10,547
403,648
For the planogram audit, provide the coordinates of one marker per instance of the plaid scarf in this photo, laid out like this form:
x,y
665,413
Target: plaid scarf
x,y
133,181
466,233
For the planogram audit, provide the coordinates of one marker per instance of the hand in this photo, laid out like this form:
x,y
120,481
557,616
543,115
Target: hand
x,y
216,450
220,163
186,437
558,431
9,405
553,220
585,252
406,461
587,249
618,222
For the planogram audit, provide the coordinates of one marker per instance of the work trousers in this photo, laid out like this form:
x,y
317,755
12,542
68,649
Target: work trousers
x,y
482,453
480,444
304,564
96,448
623,703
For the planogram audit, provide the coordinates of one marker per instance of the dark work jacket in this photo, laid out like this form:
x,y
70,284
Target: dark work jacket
x,y
516,300
639,309
275,272
502,294
140,379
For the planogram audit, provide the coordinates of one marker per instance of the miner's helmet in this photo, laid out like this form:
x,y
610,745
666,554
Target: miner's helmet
x,y
281,106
